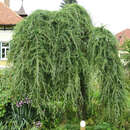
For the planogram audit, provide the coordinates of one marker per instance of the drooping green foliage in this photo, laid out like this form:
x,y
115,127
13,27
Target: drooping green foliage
x,y
49,61
103,56
68,2
55,55
5,94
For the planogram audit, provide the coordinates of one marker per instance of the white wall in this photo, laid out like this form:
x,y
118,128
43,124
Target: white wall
x,y
6,35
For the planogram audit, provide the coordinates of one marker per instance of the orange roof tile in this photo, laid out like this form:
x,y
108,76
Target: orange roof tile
x,y
122,36
7,16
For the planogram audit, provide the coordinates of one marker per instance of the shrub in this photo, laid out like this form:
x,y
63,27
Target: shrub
x,y
5,93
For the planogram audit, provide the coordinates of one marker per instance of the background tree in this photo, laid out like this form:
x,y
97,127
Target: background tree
x,y
68,2
126,54
126,60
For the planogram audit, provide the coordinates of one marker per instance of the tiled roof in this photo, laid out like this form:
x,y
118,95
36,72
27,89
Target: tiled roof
x,y
7,16
122,36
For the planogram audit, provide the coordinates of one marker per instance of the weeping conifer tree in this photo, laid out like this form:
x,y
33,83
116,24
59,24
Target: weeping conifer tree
x,y
54,55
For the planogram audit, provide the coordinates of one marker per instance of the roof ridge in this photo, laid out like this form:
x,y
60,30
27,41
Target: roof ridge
x,y
11,10
9,16
123,31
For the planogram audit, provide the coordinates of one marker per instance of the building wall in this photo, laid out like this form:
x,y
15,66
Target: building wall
x,y
3,64
121,53
5,36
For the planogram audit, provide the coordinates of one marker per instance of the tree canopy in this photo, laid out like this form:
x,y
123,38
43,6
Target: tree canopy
x,y
55,56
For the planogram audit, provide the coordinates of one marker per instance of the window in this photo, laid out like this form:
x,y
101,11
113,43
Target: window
x,y
4,50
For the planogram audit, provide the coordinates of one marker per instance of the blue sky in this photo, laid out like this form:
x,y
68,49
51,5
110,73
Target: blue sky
x,y
114,14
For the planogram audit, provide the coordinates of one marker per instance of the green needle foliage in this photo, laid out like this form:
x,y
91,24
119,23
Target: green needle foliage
x,y
55,54
103,56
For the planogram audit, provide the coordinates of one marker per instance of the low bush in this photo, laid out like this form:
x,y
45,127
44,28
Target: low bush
x,y
5,94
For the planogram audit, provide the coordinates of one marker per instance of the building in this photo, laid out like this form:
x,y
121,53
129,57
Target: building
x,y
123,35
8,19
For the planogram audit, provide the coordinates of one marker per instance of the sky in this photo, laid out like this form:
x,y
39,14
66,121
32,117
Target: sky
x,y
113,14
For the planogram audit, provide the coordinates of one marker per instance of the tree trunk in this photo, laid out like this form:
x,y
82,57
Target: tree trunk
x,y
84,95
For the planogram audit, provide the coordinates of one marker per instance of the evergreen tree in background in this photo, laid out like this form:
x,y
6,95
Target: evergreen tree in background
x,y
126,56
67,2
